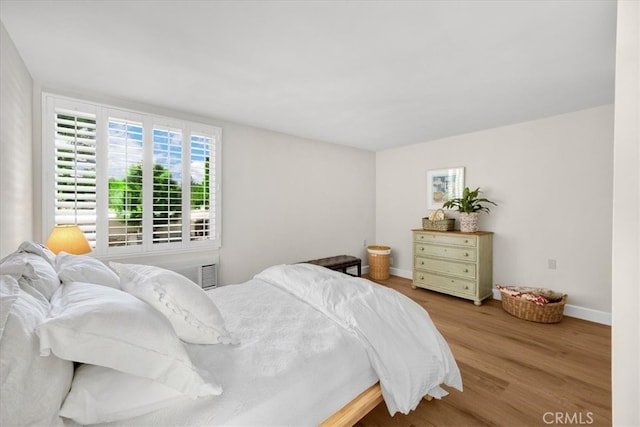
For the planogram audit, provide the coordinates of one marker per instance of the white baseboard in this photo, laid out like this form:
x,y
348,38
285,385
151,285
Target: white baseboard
x,y
406,274
576,311
589,314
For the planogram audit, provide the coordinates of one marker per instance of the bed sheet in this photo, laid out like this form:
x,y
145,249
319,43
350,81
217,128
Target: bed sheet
x,y
293,366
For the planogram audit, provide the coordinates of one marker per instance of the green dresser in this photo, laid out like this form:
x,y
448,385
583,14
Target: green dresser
x,y
455,263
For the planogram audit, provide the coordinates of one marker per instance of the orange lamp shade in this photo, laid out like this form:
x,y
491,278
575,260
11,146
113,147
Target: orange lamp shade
x,y
68,238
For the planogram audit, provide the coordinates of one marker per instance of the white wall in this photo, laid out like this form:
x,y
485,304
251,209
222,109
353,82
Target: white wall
x,y
286,199
626,219
16,208
552,179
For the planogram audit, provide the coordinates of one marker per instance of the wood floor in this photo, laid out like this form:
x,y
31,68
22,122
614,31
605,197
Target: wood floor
x,y
515,373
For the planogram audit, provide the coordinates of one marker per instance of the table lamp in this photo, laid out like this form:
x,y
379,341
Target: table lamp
x,y
68,238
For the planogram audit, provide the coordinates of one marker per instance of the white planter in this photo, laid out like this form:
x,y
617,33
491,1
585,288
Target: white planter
x,y
469,222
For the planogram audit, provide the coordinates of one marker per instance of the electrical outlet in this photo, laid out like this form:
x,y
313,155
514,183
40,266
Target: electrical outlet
x,y
364,243
551,264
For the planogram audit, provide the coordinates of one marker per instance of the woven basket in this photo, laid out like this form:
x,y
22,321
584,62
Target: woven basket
x,y
379,262
438,225
527,310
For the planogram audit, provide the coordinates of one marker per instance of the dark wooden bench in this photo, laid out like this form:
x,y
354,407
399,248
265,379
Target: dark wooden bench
x,y
339,263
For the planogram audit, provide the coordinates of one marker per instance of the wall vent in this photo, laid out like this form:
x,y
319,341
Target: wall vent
x,y
208,276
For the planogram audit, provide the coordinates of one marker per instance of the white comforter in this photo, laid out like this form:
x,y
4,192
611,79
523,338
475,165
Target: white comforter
x,y
293,366
409,355
311,339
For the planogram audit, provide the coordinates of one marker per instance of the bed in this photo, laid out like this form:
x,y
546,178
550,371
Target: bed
x,y
83,343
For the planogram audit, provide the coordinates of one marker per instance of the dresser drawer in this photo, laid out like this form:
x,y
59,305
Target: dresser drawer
x,y
446,267
450,284
451,252
446,239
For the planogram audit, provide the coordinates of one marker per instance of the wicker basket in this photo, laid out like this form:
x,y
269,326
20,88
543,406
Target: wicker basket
x,y
527,310
379,262
440,224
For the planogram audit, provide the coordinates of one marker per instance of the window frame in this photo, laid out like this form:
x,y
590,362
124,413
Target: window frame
x,y
103,112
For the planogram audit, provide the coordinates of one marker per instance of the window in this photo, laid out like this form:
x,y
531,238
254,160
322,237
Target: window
x,y
133,182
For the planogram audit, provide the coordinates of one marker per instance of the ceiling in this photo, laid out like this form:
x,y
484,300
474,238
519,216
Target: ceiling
x,y
368,74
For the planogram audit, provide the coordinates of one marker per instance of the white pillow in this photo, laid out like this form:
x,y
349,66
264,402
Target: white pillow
x,y
38,249
83,268
9,292
101,395
103,326
38,271
194,316
32,388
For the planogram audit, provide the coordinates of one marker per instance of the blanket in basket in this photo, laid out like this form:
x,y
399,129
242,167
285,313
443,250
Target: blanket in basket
x,y
539,296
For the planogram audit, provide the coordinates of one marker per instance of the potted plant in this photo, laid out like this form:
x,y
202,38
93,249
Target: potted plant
x,y
469,206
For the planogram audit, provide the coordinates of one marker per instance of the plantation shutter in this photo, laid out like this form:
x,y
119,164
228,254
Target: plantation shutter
x,y
203,185
125,171
75,170
167,185
133,182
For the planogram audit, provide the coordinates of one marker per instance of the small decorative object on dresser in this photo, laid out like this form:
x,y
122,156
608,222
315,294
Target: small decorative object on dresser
x,y
438,221
469,206
454,263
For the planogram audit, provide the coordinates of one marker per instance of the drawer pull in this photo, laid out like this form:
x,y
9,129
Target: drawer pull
x,y
466,254
466,270
466,287
421,248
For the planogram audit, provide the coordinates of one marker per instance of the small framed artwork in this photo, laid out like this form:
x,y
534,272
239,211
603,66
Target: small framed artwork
x,y
443,185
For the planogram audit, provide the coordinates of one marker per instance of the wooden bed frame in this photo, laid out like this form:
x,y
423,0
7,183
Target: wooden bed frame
x,y
355,410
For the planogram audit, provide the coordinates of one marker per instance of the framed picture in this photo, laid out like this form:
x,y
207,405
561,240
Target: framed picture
x,y
443,185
